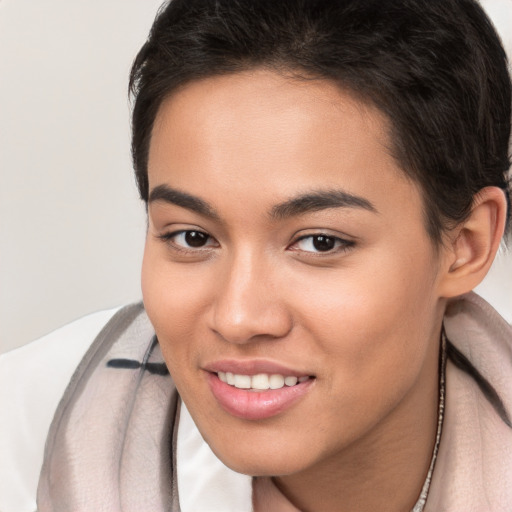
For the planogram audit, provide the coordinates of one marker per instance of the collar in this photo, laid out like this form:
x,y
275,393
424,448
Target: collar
x,y
204,482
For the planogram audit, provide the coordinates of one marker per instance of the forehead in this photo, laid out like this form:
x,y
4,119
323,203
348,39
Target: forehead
x,y
262,134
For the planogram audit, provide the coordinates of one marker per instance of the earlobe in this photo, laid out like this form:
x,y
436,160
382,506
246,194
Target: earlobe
x,y
474,243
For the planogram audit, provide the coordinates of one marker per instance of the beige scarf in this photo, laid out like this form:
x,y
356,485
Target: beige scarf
x,y
111,443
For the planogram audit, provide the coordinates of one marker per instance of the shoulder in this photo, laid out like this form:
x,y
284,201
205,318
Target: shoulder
x,y
482,354
485,339
475,454
32,381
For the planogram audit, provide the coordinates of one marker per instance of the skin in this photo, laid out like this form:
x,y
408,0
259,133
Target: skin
x,y
363,318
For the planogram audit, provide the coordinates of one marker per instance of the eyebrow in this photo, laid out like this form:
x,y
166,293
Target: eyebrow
x,y
304,203
320,200
177,197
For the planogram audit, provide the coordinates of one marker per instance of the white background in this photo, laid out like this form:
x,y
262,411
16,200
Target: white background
x,y
71,224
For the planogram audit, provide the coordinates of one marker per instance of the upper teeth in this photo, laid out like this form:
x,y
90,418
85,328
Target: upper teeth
x,y
259,381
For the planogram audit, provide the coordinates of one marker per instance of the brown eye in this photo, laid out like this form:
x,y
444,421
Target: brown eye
x,y
323,243
189,240
195,238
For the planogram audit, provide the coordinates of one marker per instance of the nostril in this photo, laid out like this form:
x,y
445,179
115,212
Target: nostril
x,y
243,323
244,307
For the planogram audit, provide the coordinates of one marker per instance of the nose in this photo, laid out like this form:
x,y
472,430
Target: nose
x,y
248,302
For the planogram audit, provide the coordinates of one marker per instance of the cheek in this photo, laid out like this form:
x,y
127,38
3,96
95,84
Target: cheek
x,y
372,324
171,292
173,298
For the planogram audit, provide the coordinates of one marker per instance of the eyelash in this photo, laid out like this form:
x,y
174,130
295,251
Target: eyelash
x,y
340,245
168,239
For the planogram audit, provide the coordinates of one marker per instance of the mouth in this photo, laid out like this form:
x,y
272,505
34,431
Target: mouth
x,y
260,381
257,396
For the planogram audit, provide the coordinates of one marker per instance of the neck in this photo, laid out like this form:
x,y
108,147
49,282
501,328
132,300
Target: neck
x,y
386,469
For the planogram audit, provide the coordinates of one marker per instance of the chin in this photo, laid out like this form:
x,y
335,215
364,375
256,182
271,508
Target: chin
x,y
255,458
259,466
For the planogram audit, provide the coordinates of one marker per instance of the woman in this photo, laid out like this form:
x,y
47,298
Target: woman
x,y
325,184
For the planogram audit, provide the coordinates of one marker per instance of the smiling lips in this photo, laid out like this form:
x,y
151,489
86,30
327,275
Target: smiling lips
x,y
255,396
260,381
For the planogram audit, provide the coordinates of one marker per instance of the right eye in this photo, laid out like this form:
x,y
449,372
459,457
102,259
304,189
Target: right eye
x,y
189,239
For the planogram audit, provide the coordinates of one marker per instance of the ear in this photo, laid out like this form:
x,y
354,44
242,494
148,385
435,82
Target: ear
x,y
472,246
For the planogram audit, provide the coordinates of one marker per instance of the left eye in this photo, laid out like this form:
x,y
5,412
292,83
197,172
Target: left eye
x,y
321,243
190,239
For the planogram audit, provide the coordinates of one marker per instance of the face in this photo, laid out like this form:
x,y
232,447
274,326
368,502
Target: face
x,y
287,250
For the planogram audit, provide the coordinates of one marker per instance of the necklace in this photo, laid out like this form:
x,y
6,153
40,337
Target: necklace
x,y
420,504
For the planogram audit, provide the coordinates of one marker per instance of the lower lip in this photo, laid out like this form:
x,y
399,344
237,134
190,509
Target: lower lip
x,y
256,405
